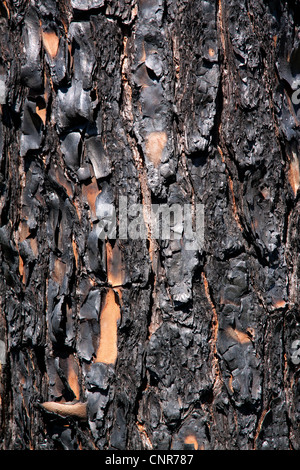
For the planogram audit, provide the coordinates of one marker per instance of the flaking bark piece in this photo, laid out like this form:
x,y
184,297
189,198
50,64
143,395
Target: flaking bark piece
x,y
68,410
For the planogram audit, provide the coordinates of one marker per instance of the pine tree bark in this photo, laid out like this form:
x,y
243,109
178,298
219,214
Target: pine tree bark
x,y
146,344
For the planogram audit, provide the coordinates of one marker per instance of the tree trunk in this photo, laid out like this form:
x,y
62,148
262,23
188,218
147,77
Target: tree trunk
x,y
133,340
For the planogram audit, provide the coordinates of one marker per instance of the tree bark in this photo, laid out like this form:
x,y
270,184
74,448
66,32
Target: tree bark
x,y
122,343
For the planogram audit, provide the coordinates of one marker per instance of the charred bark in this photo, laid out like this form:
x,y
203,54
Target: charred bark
x,y
120,343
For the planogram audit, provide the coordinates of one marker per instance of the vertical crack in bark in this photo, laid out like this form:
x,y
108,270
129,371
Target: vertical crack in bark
x,y
138,157
153,246
259,427
127,114
144,436
214,337
230,185
221,26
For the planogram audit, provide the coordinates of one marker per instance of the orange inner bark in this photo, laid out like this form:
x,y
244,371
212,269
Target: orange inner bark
x,y
51,42
73,376
115,267
191,440
59,271
239,336
108,345
90,192
155,145
294,174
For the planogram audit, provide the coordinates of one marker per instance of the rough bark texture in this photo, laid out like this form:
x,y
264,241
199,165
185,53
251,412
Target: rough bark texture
x,y
144,344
